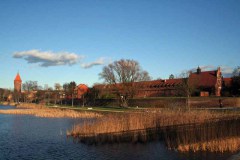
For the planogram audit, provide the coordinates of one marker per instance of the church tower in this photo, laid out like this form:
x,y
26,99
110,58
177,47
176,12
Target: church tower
x,y
17,87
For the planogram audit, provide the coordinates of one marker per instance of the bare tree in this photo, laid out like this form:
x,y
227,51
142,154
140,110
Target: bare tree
x,y
4,93
188,86
28,87
69,89
122,75
57,86
92,95
1,94
57,92
236,72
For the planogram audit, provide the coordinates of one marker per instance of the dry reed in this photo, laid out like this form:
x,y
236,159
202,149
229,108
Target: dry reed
x,y
220,145
30,106
137,121
52,113
40,110
143,126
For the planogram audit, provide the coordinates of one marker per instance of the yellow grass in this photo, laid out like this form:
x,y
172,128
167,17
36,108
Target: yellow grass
x,y
115,124
220,145
42,111
31,105
143,120
7,103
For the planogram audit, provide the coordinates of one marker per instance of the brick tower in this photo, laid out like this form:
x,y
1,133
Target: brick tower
x,y
17,87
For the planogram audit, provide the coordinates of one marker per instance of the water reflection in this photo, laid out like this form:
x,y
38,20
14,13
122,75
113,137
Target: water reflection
x,y
29,137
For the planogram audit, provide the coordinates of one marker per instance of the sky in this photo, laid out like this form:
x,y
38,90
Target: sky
x,y
59,41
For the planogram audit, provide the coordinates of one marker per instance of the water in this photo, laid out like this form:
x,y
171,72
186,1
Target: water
x,y
29,137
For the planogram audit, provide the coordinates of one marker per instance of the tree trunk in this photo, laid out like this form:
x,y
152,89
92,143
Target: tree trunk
x,y
72,100
187,102
124,101
83,100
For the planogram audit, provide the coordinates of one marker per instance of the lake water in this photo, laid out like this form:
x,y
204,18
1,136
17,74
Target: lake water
x,y
29,137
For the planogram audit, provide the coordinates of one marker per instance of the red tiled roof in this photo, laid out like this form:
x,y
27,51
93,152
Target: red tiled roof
x,y
18,78
153,83
206,79
82,87
173,81
81,90
160,83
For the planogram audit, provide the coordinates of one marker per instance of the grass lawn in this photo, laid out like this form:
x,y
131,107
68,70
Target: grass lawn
x,y
98,109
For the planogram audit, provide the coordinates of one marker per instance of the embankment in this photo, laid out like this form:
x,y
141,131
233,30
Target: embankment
x,y
39,110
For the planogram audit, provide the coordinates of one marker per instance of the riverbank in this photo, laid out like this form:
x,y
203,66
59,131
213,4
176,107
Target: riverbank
x,y
40,110
4,103
96,109
143,125
29,137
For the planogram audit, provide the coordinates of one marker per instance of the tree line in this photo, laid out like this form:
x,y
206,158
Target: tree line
x,y
122,75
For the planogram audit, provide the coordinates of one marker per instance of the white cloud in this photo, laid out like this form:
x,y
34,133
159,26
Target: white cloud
x,y
207,68
99,61
48,58
204,68
226,70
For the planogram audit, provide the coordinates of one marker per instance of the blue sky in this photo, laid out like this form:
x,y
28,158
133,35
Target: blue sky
x,y
61,41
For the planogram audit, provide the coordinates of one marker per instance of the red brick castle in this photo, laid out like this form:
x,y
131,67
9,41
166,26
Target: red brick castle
x,y
205,83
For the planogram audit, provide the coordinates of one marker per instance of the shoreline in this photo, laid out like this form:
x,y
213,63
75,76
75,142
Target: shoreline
x,y
102,130
44,111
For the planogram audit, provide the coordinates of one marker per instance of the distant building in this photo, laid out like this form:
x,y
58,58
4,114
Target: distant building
x,y
17,87
208,81
80,90
205,83
18,83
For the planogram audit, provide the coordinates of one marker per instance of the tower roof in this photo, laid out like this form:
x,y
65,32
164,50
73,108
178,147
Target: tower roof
x,y
17,78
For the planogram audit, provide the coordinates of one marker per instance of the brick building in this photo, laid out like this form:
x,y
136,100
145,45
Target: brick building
x,y
204,83
80,90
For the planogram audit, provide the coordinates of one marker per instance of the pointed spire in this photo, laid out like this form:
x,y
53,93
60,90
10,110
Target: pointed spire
x,y
18,78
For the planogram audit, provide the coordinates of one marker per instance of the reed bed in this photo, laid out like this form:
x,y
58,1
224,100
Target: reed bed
x,y
8,103
181,130
203,136
40,110
52,113
219,145
30,106
114,123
